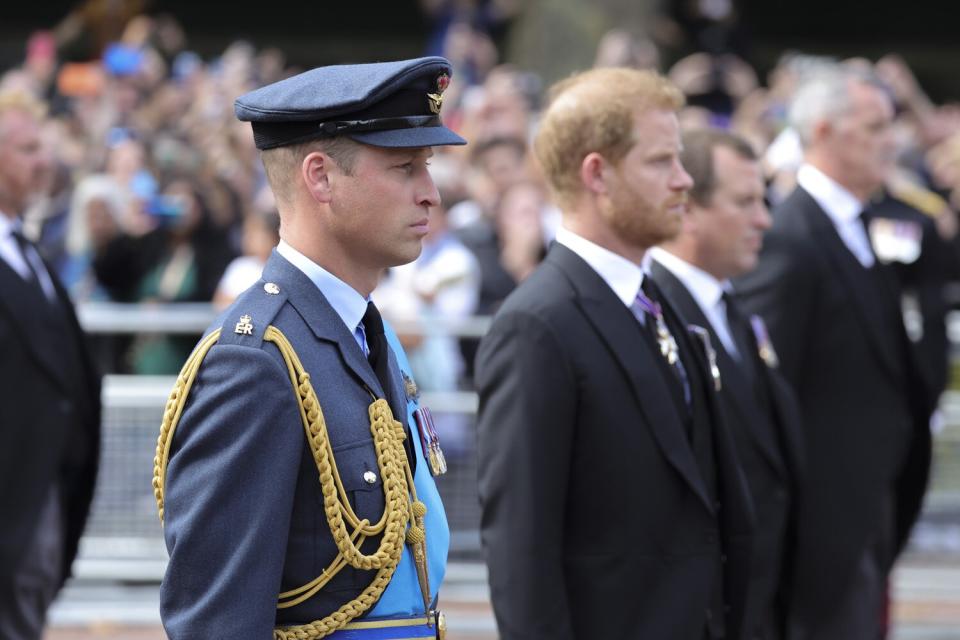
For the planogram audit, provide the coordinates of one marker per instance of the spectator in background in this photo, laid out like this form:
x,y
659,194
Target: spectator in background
x,y
507,248
96,216
261,233
495,165
519,220
620,48
502,107
47,217
180,260
714,85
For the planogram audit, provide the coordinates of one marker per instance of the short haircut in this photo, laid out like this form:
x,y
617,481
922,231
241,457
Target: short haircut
x,y
825,95
16,100
594,111
282,164
697,158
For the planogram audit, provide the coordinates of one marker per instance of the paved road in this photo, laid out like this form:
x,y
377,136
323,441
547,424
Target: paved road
x,y
926,593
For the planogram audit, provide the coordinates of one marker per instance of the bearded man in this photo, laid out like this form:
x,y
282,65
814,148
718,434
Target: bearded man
x,y
613,504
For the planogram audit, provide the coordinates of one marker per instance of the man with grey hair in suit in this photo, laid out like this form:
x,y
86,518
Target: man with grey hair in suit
x,y
834,318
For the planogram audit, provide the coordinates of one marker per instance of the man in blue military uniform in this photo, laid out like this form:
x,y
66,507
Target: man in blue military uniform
x,y
294,505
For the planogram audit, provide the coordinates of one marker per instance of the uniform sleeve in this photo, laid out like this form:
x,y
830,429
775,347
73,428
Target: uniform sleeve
x,y
525,438
229,493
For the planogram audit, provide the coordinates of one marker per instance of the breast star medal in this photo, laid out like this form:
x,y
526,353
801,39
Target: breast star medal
x,y
668,346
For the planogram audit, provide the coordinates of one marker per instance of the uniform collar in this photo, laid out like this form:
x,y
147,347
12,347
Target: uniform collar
x,y
345,300
705,288
621,275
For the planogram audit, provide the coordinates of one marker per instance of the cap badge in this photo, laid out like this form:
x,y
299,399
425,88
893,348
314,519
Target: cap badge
x,y
244,327
436,99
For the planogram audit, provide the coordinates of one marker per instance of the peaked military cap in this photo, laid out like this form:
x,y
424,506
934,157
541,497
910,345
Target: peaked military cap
x,y
384,104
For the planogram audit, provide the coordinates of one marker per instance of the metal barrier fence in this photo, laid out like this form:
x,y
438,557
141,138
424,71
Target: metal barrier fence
x,y
124,507
124,523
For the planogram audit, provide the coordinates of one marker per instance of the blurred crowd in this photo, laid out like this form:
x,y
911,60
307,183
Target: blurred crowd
x,y
153,192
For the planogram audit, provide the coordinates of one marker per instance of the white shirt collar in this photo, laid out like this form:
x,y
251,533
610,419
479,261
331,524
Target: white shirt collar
x,y
345,300
706,289
838,203
621,275
7,225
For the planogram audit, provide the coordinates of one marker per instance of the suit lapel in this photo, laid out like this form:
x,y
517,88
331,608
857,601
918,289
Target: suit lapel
x,y
37,321
317,313
855,278
788,420
736,387
619,330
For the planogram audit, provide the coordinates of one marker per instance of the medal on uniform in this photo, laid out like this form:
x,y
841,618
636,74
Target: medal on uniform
x,y
668,346
430,441
764,344
410,388
895,240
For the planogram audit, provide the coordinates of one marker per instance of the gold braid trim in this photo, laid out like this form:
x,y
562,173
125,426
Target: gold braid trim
x,y
399,505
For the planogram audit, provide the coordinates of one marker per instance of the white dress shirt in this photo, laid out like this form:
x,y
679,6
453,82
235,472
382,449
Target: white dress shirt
x,y
345,300
706,290
10,252
623,276
843,209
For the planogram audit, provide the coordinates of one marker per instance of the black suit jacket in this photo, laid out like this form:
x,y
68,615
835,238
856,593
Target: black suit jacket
x,y
596,520
924,280
767,432
49,418
841,343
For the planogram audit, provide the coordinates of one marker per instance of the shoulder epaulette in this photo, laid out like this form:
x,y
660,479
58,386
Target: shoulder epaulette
x,y
251,314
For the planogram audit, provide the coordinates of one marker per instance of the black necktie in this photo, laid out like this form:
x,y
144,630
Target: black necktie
x,y
24,246
742,335
376,343
865,217
652,322
26,249
379,359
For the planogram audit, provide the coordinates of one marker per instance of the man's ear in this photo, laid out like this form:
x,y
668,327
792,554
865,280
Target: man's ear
x,y
594,170
821,129
314,170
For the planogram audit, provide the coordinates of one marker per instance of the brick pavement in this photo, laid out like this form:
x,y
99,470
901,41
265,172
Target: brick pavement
x,y
926,607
